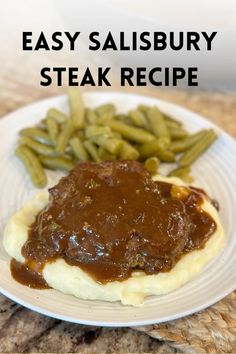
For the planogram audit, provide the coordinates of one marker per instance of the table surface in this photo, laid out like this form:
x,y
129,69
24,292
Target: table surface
x,y
211,331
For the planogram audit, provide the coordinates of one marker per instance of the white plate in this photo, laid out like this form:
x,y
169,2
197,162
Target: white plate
x,y
215,172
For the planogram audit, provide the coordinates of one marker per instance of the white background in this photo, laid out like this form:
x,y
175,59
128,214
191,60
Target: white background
x,y
217,69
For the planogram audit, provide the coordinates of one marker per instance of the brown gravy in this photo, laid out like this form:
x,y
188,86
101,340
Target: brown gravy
x,y
26,276
111,219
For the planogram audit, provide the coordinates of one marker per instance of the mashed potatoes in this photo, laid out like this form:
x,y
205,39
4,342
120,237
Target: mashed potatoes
x,y
72,280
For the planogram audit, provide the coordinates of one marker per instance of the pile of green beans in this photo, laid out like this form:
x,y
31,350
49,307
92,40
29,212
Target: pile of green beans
x,y
144,133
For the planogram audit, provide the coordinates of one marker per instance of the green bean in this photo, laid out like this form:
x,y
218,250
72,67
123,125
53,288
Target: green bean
x,y
143,108
170,119
107,109
103,120
157,123
78,149
116,135
59,116
103,136
112,145
105,155
33,166
197,149
137,135
54,163
79,134
37,147
95,130
177,133
137,118
92,150
166,156
76,107
154,147
172,125
186,178
53,129
179,171
64,136
40,125
144,133
37,134
185,144
152,164
91,116
128,152
123,118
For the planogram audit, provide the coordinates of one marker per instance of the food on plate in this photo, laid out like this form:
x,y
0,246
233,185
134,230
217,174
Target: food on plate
x,y
60,141
196,150
113,231
32,165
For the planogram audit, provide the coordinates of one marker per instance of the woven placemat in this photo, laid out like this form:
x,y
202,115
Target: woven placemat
x,y
209,331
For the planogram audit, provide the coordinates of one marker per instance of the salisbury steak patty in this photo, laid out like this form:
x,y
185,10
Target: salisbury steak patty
x,y
112,218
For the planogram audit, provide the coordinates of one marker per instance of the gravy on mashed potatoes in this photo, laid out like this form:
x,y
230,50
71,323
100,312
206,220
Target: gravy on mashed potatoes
x,y
113,224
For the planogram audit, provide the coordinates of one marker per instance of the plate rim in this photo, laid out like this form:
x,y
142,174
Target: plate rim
x,y
105,323
52,314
